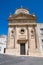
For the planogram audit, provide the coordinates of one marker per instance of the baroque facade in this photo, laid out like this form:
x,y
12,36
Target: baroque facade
x,y
22,34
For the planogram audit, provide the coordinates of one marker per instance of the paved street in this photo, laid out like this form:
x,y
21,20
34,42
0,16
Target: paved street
x,y
12,60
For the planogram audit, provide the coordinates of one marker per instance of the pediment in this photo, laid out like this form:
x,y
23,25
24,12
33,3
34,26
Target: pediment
x,y
23,16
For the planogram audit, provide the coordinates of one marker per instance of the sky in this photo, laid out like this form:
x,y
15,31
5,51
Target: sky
x,y
9,6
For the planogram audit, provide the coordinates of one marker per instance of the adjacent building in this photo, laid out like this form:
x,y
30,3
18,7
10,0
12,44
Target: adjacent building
x,y
23,34
3,43
40,36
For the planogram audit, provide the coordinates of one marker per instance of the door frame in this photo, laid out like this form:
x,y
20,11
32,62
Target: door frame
x,y
23,48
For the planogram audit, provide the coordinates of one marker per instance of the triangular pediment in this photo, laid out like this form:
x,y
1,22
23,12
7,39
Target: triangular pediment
x,y
23,16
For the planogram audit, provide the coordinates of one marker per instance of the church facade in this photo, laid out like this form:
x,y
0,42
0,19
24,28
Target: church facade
x,y
22,34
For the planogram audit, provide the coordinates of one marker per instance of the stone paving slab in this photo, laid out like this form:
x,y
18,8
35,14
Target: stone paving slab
x,y
20,60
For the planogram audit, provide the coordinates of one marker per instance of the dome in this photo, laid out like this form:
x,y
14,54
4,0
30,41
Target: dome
x,y
21,10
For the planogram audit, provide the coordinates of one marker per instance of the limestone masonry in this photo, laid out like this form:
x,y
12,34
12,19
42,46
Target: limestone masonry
x,y
25,36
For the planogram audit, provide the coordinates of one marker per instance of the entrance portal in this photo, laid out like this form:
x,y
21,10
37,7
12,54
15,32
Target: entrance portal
x,y
22,48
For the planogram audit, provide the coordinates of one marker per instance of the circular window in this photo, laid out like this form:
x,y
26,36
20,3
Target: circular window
x,y
22,31
12,31
32,31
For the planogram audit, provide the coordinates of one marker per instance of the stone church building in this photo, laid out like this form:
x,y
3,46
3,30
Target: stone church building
x,y
22,34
